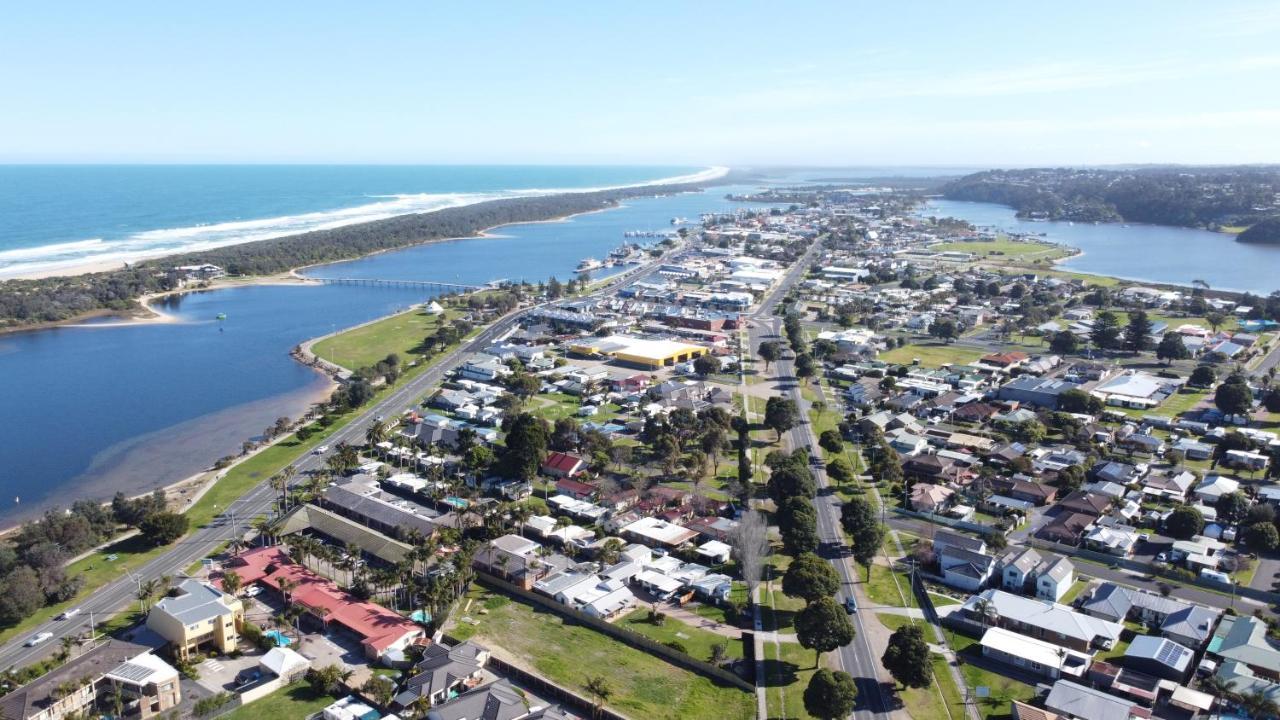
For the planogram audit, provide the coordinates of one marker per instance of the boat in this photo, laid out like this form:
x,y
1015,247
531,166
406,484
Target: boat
x,y
222,316
588,265
678,221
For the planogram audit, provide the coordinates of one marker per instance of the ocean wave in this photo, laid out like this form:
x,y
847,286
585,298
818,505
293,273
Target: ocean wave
x,y
102,254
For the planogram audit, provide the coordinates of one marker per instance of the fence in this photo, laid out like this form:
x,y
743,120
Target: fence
x,y
635,640
950,522
1271,598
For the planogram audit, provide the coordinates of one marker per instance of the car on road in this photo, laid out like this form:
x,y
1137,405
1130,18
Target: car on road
x,y
815,460
320,450
850,605
35,640
68,614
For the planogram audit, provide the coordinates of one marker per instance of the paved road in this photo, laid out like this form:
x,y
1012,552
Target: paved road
x,y
119,594
875,700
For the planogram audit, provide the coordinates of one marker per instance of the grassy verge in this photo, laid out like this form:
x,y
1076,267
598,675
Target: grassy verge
x,y
644,686
788,668
940,701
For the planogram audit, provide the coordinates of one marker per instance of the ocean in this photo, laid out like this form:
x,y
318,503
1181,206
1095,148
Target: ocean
x,y
65,216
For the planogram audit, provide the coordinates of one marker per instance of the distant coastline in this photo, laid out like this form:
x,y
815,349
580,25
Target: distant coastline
x,y
379,236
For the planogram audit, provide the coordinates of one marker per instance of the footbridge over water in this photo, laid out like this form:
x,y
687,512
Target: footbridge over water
x,y
434,285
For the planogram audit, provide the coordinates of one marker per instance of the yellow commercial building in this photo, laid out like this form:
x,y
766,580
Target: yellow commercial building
x,y
199,615
639,352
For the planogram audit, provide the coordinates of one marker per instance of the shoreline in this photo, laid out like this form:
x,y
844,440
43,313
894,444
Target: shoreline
x,y
145,314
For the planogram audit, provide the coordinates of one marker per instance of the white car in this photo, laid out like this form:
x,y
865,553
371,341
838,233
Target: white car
x,y
67,615
37,639
320,450
253,591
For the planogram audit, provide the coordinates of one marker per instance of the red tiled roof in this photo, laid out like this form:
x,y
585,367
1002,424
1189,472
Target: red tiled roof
x,y
1008,358
574,487
564,462
379,627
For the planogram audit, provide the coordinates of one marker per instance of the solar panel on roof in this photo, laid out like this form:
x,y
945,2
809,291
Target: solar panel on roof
x,y
132,671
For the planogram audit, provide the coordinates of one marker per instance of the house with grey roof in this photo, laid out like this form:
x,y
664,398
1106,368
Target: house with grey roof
x,y
1244,639
1192,626
1160,657
1073,700
1042,620
1109,602
444,672
499,700
965,569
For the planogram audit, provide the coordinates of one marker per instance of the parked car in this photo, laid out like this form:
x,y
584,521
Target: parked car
x,y
253,591
39,638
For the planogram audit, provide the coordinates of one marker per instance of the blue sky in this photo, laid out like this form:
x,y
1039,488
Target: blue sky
x,y
838,83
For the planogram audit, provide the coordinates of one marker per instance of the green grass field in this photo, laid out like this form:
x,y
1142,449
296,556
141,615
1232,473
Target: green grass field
x,y
698,643
644,685
893,621
1006,249
293,702
932,354
365,346
940,701
882,589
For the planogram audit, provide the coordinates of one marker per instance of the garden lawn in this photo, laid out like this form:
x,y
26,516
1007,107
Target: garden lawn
x,y
1002,688
932,354
292,702
644,685
893,621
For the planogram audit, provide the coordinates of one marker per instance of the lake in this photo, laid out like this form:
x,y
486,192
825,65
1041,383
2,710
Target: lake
x,y
1146,253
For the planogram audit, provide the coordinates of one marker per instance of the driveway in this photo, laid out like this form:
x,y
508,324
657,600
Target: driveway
x,y
219,674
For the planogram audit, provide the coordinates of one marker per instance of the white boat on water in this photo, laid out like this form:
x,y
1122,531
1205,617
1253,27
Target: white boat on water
x,y
588,265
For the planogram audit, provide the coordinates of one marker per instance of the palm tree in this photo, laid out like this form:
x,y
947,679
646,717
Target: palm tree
x,y
598,688
1220,687
1258,704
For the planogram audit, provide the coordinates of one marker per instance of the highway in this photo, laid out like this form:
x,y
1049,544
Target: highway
x,y
858,658
119,594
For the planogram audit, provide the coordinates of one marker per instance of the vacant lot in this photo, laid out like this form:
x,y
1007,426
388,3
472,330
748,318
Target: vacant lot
x,y
1010,249
644,686
932,354
293,702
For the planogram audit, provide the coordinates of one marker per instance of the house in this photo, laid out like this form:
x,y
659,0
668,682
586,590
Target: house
x,y
1191,626
1021,568
563,465
929,498
1031,390
715,551
1115,540
1243,639
499,700
965,569
657,532
197,615
944,539
1067,527
1025,490
1042,620
1214,487
1109,602
1079,702
1085,502
443,673
575,489
929,468
1159,657
1017,567
1169,485
484,368
1115,472
1055,579
147,685
1036,656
